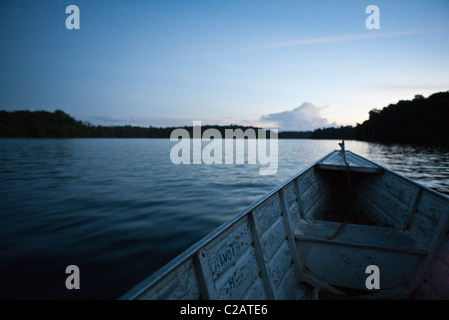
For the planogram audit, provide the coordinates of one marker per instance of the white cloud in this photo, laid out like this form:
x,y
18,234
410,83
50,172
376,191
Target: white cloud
x,y
337,39
312,41
303,118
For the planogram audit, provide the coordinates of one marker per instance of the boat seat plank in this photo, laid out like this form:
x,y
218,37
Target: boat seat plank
x,y
375,237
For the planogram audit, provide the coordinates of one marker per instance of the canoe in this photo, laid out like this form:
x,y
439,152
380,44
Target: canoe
x,y
343,228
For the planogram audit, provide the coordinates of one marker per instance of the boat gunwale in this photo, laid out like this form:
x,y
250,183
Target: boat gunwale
x,y
190,252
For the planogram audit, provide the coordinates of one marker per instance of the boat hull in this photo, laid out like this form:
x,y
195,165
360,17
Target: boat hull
x,y
314,236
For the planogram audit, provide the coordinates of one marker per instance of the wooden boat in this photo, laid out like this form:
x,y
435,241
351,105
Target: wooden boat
x,y
315,236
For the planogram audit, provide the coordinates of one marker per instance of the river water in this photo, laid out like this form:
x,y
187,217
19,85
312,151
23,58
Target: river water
x,y
119,209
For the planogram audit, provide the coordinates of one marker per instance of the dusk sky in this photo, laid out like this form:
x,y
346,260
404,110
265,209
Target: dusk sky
x,y
292,65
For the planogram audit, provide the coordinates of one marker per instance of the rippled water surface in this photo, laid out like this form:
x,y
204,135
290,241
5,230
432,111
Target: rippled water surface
x,y
119,209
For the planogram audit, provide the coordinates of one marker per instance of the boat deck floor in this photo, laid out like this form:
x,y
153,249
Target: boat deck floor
x,y
357,235
349,216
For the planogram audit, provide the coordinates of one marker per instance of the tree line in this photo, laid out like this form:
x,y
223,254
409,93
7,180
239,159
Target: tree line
x,y
58,124
421,121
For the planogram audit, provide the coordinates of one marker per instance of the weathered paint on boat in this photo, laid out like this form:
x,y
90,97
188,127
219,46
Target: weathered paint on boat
x,y
313,237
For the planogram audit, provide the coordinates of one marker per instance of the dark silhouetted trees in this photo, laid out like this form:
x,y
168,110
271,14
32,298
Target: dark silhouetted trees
x,y
44,124
423,121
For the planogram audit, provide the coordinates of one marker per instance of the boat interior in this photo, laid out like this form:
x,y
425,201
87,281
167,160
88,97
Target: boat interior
x,y
356,214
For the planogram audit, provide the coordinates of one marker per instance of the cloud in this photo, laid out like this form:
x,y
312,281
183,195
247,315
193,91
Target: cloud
x,y
303,118
337,39
312,41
